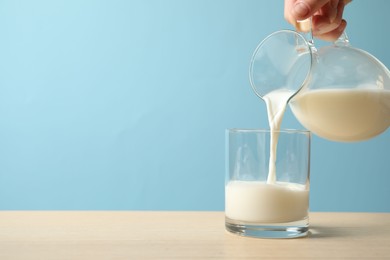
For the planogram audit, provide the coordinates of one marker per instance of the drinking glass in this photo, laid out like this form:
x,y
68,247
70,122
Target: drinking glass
x,y
256,206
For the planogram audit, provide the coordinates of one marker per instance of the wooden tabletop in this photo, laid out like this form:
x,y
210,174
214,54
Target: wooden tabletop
x,y
183,235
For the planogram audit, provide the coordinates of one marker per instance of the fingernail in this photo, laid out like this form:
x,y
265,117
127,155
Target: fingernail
x,y
300,10
342,26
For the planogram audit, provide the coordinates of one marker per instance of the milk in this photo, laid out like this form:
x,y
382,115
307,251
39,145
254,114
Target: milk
x,y
260,202
276,102
344,114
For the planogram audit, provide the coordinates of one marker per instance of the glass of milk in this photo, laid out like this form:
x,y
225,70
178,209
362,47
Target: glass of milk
x,y
267,186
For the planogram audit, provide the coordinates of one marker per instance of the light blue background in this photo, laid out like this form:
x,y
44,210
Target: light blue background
x,y
124,104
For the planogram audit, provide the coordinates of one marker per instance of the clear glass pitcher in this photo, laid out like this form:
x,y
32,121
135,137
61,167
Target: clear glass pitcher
x,y
347,95
340,93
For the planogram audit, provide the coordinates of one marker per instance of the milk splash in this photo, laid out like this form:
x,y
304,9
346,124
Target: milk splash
x,y
276,102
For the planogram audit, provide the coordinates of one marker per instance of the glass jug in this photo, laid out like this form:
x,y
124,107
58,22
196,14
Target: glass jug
x,y
340,93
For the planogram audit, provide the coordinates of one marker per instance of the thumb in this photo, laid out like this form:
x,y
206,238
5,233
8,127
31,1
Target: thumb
x,y
303,9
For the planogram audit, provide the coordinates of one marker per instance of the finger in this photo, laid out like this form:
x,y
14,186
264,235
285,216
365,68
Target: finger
x,y
326,9
335,34
288,4
291,7
329,10
303,9
322,24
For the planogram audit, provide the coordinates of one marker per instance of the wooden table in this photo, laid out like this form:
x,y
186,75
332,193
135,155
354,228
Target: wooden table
x,y
182,235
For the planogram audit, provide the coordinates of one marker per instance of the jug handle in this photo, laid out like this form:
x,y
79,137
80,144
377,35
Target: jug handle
x,y
305,26
343,40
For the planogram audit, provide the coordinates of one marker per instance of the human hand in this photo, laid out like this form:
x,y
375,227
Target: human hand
x,y
327,16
